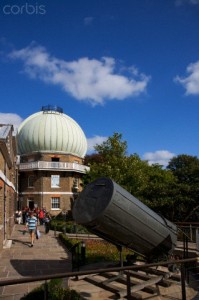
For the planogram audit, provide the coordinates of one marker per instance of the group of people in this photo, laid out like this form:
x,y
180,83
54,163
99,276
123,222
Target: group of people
x,y
32,218
40,214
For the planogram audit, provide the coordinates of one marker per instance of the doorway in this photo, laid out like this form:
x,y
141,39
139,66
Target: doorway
x,y
31,204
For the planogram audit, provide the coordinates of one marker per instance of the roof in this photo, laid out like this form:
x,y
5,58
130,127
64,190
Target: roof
x,y
5,142
51,131
4,131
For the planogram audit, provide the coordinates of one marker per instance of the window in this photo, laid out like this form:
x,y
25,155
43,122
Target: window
x,y
54,158
30,159
76,184
55,181
31,180
55,203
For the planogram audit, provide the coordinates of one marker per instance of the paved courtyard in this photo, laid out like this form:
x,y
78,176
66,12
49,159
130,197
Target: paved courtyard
x,y
47,256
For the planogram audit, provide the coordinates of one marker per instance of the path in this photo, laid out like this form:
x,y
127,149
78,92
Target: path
x,y
47,256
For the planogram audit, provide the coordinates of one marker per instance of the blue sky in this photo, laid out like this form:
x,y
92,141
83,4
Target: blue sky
x,y
126,66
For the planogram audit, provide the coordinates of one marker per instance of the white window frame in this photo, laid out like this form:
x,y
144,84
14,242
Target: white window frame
x,y
55,181
76,182
55,201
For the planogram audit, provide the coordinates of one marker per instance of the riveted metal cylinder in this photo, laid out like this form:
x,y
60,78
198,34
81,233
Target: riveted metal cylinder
x,y
112,213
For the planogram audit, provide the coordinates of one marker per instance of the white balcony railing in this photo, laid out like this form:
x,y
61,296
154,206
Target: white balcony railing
x,y
46,165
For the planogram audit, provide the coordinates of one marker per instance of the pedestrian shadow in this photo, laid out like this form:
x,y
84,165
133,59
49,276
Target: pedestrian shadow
x,y
23,231
15,241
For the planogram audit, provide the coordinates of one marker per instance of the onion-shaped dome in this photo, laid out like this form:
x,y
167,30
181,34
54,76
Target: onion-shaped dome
x,y
50,130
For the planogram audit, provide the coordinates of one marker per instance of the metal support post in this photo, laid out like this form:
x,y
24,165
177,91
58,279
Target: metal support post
x,y
128,285
183,281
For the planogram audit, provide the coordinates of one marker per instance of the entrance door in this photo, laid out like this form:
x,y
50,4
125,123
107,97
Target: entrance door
x,y
31,204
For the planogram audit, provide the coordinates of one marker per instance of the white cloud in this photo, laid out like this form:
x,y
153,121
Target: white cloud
x,y
191,82
91,80
96,140
10,118
161,157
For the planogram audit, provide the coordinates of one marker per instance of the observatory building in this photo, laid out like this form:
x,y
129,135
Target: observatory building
x,y
51,148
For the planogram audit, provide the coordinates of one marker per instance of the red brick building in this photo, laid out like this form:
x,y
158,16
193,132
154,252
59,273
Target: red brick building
x,y
51,147
8,183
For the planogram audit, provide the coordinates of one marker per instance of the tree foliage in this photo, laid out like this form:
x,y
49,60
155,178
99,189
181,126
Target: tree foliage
x,y
185,168
172,192
111,161
160,191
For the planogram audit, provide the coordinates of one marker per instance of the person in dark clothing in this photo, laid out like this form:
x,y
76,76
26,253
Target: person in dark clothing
x,y
47,222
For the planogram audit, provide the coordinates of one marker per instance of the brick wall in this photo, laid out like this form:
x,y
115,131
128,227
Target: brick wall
x,y
49,156
7,186
41,192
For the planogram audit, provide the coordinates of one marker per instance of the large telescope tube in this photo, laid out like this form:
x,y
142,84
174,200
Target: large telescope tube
x,y
112,213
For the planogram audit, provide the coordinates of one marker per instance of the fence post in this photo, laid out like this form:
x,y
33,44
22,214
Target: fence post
x,y
197,239
191,233
128,285
183,281
75,257
45,290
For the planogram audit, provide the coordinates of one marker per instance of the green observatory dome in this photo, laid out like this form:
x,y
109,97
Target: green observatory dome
x,y
52,131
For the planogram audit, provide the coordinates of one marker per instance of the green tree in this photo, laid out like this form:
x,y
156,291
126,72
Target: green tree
x,y
172,192
111,160
160,191
135,175
185,168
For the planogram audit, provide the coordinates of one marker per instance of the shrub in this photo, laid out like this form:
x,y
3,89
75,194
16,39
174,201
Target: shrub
x,y
69,226
55,292
96,250
69,243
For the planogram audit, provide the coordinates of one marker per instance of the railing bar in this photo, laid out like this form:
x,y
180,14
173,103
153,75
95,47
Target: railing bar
x,y
89,272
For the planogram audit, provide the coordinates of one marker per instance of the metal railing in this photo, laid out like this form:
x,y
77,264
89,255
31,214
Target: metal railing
x,y
184,264
189,229
46,165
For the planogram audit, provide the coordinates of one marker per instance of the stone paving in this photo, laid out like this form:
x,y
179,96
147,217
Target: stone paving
x,y
92,292
49,257
46,257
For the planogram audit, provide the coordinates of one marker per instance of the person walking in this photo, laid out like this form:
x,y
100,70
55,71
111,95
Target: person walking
x,y
32,227
41,216
18,216
47,222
